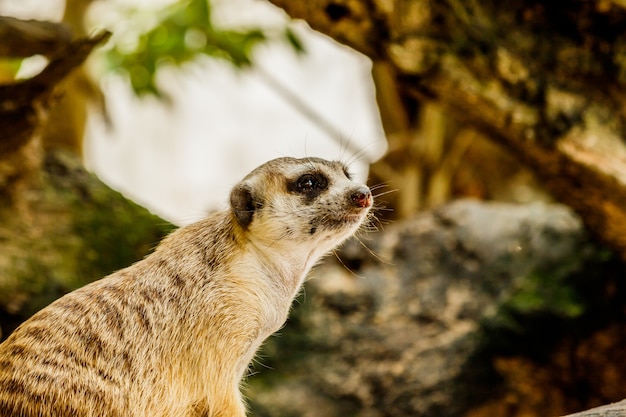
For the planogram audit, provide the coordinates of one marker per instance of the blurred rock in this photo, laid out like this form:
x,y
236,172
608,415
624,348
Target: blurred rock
x,y
440,314
74,230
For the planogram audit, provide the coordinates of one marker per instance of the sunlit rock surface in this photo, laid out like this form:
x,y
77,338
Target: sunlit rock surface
x,y
473,309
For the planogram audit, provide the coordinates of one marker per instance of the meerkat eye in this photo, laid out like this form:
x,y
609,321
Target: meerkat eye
x,y
309,183
306,183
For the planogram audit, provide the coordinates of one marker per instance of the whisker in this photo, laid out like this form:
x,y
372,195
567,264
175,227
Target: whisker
x,y
362,153
372,253
378,186
385,192
345,266
356,156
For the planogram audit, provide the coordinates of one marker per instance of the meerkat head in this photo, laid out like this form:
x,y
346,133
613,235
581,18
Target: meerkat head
x,y
299,201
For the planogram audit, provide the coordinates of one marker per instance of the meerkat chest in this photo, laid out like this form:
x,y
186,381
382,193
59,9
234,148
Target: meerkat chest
x,y
275,290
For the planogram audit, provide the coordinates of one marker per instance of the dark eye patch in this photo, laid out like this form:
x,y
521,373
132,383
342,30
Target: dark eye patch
x,y
311,185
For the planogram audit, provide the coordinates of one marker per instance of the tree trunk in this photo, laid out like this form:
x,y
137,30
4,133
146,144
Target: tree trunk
x,y
545,79
59,226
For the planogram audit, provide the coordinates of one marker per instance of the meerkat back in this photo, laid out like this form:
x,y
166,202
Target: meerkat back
x,y
174,334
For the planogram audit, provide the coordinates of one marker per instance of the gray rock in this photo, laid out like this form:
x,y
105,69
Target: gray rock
x,y
609,410
404,332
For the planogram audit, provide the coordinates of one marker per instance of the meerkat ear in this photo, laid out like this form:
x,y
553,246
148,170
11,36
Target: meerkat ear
x,y
242,204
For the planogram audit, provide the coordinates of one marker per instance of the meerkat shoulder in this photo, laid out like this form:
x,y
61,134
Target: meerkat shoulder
x,y
173,334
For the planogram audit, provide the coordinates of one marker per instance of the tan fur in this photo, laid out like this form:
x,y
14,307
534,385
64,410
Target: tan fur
x,y
174,334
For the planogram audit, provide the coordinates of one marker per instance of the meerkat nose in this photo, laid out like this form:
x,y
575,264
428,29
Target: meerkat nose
x,y
362,197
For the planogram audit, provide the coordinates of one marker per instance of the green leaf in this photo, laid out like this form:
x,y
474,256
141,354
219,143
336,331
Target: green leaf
x,y
294,41
184,32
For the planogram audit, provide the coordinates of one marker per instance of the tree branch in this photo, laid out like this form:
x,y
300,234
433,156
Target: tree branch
x,y
546,80
21,101
24,38
24,107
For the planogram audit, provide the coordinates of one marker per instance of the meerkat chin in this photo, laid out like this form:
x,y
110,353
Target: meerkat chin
x,y
173,334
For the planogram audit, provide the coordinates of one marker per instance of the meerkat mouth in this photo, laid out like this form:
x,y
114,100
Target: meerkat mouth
x,y
342,220
355,216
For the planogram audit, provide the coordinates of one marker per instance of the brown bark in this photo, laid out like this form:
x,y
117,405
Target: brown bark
x,y
60,227
79,92
545,79
25,105
24,38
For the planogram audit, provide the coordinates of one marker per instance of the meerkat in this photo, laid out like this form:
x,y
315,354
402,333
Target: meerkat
x,y
173,334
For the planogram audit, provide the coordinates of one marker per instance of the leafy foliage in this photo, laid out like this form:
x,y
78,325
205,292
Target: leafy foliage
x,y
185,32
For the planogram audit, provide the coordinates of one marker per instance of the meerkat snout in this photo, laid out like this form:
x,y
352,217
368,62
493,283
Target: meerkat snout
x,y
173,334
362,197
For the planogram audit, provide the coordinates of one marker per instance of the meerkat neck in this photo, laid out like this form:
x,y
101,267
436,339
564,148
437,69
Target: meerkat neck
x,y
282,270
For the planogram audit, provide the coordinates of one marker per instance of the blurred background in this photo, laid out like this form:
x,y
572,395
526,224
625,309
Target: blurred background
x,y
180,156
492,135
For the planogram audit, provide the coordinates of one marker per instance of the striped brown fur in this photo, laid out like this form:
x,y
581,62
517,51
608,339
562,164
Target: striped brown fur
x,y
173,334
